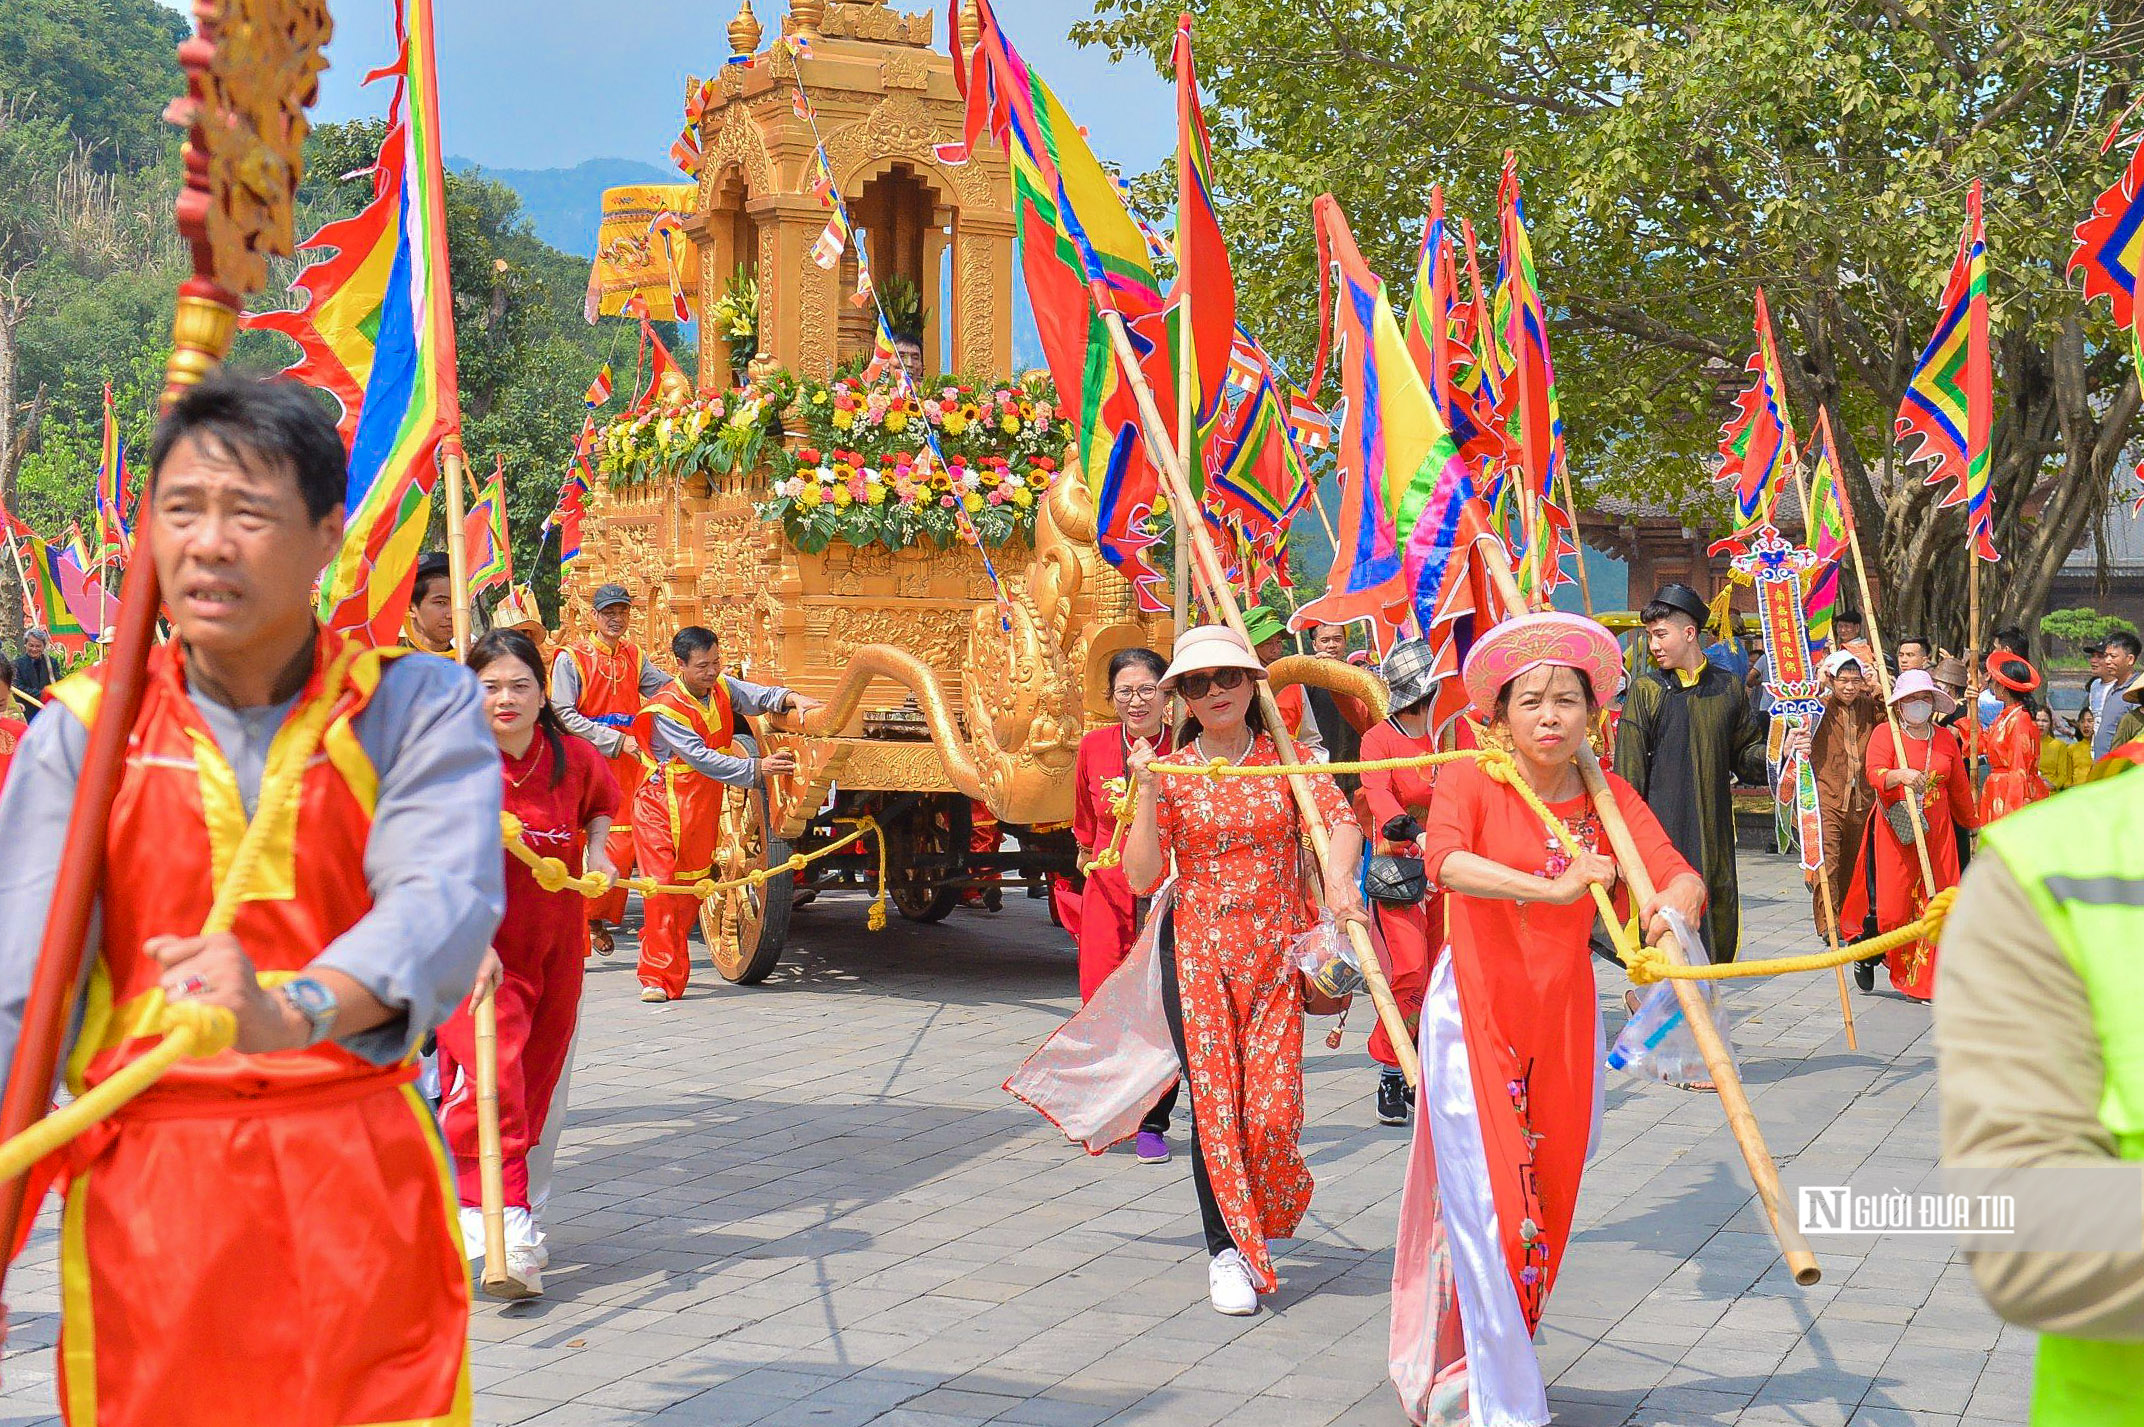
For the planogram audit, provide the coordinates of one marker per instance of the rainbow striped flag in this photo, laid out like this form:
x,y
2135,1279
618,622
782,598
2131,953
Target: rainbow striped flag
x,y
1831,514
1950,400
1437,337
1535,429
115,533
2110,249
1082,256
377,332
1757,446
61,598
1202,253
490,554
1403,484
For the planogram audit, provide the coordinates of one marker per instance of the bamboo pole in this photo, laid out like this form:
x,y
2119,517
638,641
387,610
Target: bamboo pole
x,y
491,1162
1975,663
1207,567
1570,501
1185,374
1741,1119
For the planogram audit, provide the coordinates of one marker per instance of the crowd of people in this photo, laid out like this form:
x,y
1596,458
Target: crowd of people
x,y
379,903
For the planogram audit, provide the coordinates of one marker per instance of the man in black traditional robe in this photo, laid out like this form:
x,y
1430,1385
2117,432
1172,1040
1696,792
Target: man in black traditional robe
x,y
1687,733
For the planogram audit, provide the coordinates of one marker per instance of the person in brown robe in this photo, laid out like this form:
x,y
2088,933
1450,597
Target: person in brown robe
x,y
1843,795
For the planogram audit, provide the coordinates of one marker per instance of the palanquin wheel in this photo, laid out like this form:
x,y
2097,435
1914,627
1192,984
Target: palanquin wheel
x,y
927,837
746,926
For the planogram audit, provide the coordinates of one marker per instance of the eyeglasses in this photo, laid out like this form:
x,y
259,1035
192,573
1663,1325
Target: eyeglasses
x,y
1196,686
1144,694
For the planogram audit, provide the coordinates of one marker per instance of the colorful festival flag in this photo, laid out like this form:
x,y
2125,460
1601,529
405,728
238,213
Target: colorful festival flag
x,y
599,390
2110,250
490,558
115,531
659,362
64,602
1308,424
1204,277
1084,259
1535,427
1950,400
1403,485
377,333
832,241
1757,446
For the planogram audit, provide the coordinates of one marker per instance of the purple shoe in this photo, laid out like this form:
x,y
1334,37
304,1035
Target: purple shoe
x,y
1151,1147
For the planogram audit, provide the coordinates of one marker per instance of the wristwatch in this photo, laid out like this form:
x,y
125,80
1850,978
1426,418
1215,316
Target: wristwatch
x,y
312,999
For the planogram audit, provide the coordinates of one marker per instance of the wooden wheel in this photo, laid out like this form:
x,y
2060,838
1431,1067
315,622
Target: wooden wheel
x,y
746,927
928,832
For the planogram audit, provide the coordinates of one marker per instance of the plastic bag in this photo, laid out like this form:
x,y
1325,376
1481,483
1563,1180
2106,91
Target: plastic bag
x,y
1327,960
1657,1041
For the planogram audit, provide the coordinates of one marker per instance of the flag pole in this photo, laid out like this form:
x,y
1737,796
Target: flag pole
x,y
491,1161
1185,373
1976,660
1719,1061
1570,500
1208,568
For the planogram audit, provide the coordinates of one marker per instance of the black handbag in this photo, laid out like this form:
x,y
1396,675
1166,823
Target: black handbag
x,y
1396,881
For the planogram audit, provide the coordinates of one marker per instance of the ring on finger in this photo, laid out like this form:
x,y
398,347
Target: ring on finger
x,y
192,986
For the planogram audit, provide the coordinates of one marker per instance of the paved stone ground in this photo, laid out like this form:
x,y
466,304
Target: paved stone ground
x,y
810,1203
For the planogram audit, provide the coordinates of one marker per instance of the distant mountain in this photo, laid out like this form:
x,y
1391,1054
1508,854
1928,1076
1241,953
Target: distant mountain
x,y
565,204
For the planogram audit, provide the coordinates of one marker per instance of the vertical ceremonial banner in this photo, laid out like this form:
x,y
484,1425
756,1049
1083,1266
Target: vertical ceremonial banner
x,y
1829,519
1950,400
63,602
2110,250
1536,423
1204,277
377,332
1797,694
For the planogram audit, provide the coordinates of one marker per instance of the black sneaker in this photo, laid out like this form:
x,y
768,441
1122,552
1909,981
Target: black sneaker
x,y
1865,973
1391,1100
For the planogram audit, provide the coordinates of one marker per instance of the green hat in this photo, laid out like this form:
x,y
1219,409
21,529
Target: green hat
x,y
1261,623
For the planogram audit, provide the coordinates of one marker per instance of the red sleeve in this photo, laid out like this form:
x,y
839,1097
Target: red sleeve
x,y
1377,792
1455,816
1881,758
1333,805
1958,786
599,786
1662,862
1355,711
1085,819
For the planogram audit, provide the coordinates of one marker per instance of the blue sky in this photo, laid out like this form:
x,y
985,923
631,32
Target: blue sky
x,y
549,83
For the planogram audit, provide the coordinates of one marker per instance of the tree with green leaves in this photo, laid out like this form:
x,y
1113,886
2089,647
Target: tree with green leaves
x,y
1676,158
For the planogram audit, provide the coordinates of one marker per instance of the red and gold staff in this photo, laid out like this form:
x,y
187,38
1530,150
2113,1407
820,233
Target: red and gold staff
x,y
560,791
266,1236
598,685
691,731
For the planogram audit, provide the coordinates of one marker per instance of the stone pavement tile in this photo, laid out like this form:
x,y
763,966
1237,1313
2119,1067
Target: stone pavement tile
x,y
1180,1408
1931,1379
1592,1407
1900,1417
1690,1406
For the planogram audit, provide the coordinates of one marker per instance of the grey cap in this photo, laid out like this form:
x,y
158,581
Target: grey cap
x,y
608,595
1410,672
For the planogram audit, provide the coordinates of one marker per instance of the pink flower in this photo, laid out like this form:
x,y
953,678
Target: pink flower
x,y
946,499
997,497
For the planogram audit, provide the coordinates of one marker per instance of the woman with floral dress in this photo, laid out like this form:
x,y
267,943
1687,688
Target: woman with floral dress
x,y
1230,993
1511,1039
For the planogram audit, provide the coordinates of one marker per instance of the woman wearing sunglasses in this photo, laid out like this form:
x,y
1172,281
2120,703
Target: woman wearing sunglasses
x,y
1109,916
1230,993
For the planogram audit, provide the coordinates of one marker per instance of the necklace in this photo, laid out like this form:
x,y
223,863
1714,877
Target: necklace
x,y
535,756
1199,743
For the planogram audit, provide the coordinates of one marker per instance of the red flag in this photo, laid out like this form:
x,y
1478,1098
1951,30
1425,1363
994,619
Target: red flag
x,y
659,361
1204,277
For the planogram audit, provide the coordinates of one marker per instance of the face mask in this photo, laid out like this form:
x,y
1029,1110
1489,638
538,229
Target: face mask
x,y
1918,710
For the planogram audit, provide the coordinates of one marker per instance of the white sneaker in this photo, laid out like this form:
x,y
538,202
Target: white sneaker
x,y
1229,1284
524,1278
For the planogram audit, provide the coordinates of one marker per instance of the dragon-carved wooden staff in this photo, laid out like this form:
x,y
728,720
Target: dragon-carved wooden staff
x,y
252,69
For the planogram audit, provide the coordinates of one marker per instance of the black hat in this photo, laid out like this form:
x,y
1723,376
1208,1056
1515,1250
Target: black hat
x,y
1683,598
432,565
608,595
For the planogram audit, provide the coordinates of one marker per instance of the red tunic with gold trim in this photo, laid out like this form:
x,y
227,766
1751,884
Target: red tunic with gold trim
x,y
677,819
258,1239
11,732
2012,745
1894,864
610,695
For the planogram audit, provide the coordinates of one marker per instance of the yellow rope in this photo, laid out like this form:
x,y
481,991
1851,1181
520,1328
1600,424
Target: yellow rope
x,y
551,874
191,1029
1644,964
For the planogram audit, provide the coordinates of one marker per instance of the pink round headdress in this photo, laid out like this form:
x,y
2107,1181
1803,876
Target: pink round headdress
x,y
1529,641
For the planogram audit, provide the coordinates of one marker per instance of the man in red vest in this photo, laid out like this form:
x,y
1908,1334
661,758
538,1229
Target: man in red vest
x,y
598,685
267,1236
690,729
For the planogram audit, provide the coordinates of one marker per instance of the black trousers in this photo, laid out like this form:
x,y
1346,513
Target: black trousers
x,y
1218,1239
